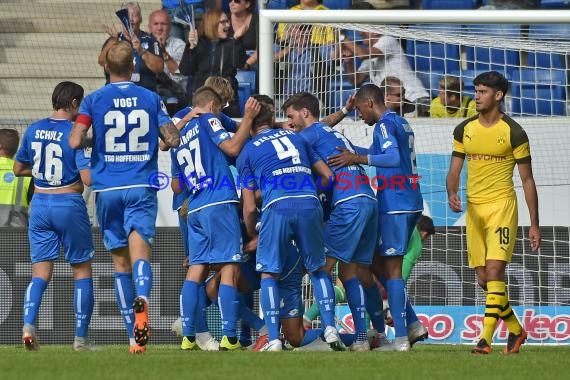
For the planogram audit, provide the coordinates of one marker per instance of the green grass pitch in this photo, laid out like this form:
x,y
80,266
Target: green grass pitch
x,y
168,362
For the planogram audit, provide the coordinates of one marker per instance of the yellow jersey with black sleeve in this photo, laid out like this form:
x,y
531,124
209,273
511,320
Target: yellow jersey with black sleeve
x,y
491,154
320,35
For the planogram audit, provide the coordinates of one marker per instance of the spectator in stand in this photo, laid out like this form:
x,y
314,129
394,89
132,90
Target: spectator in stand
x,y
512,4
171,84
321,35
449,102
211,52
146,50
395,96
244,22
382,4
383,56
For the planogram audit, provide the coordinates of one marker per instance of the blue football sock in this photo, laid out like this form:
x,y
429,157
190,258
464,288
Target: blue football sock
x,y
200,317
347,339
33,299
142,273
324,296
83,303
188,305
355,298
269,297
411,316
249,318
373,302
246,299
311,335
125,293
397,300
229,309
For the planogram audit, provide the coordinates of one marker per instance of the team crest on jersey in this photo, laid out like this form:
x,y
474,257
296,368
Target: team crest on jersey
x,y
215,124
501,140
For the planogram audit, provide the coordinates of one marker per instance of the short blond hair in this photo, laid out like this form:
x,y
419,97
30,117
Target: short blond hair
x,y
205,95
222,86
120,59
451,84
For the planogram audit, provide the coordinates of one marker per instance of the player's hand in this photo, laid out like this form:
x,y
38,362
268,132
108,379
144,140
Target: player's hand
x,y
454,202
111,30
193,38
251,246
136,44
344,158
349,105
162,146
534,237
185,263
251,109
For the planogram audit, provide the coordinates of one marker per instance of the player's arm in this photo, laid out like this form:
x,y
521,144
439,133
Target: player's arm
x,y
323,171
453,175
335,118
250,214
78,137
22,169
170,134
85,175
531,198
233,146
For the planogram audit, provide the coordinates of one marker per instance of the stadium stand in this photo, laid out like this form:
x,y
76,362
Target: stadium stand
x,y
539,92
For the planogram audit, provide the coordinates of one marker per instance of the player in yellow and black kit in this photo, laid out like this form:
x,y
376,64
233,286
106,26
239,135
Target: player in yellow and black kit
x,y
493,143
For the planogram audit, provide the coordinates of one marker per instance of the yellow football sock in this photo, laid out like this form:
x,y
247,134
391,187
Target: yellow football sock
x,y
509,317
493,306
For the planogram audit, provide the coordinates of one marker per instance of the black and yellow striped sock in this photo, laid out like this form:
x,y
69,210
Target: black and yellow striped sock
x,y
509,317
496,297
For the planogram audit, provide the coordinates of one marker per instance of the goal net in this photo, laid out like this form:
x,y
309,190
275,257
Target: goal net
x,y
330,56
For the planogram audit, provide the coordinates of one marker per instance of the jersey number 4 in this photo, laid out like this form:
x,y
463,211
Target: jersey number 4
x,y
117,122
285,149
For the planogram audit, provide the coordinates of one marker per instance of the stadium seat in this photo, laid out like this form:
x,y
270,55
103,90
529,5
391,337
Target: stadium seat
x,y
548,32
549,4
433,56
337,4
448,4
539,92
493,59
244,92
276,4
247,77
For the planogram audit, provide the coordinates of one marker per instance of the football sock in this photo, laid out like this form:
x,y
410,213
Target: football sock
x,y
411,316
493,305
310,336
249,318
246,299
269,298
229,309
200,317
373,302
397,300
188,306
83,303
324,296
355,296
508,316
347,339
33,299
125,294
142,273
313,312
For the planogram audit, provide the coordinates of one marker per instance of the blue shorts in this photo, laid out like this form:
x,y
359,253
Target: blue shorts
x,y
214,235
297,219
290,285
395,231
60,219
121,211
350,235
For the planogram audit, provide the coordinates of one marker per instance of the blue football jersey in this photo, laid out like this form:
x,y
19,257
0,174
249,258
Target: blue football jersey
x,y
126,119
398,189
229,124
279,163
178,198
45,147
202,165
352,180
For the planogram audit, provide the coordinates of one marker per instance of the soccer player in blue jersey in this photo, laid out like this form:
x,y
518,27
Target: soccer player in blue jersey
x,y
127,122
354,213
59,215
400,201
279,162
213,224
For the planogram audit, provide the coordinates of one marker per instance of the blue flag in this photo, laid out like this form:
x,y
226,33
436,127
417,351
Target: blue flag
x,y
123,15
